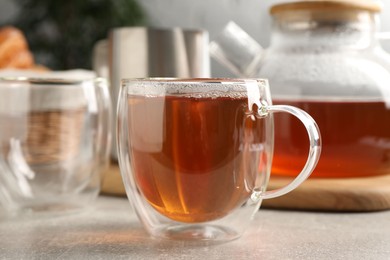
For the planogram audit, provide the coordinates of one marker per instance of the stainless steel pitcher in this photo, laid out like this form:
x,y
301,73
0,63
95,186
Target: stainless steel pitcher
x,y
139,52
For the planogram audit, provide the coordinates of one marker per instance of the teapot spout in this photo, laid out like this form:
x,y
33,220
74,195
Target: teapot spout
x,y
237,51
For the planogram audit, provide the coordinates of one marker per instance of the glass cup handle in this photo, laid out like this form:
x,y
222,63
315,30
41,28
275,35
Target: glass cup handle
x,y
314,149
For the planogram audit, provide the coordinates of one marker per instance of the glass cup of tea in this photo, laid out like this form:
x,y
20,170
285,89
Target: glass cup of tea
x,y
195,154
54,143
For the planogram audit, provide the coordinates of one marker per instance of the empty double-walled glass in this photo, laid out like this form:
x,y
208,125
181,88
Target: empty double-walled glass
x,y
54,141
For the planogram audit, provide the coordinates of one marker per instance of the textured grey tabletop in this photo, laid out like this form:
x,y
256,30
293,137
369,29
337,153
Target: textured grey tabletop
x,y
110,230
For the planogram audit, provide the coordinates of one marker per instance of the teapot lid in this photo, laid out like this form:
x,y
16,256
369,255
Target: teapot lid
x,y
366,5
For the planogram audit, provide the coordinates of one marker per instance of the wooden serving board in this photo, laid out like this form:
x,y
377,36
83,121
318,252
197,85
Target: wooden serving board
x,y
350,194
112,181
347,194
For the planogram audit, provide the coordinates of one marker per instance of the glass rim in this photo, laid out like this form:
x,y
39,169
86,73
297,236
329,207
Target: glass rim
x,y
215,80
47,81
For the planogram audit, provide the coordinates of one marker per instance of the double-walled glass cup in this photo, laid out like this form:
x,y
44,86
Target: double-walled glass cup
x,y
54,142
195,154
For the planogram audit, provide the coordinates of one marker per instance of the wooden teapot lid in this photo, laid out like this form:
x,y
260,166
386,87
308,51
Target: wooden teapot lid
x,y
365,5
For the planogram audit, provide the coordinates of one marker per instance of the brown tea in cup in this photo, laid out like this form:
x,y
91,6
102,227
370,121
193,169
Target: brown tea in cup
x,y
199,172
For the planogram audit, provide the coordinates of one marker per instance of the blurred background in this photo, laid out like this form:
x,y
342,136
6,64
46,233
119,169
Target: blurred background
x,y
45,21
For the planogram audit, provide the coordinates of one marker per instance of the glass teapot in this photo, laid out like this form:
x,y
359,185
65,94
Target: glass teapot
x,y
325,58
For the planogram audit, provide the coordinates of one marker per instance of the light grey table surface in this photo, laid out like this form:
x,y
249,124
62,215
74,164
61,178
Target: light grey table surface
x,y
110,230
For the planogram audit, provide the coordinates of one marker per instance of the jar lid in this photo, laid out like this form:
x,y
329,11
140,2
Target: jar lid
x,y
366,5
